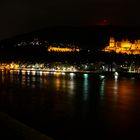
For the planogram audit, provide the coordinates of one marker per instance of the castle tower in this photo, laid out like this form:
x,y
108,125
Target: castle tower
x,y
112,42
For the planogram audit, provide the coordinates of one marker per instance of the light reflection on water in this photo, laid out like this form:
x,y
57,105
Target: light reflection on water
x,y
57,83
71,86
102,88
115,92
23,81
72,101
85,87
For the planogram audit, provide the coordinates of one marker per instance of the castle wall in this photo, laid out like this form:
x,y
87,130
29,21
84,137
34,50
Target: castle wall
x,y
124,46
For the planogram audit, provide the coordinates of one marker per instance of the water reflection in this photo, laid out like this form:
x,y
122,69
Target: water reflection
x,y
37,73
34,79
33,82
23,72
63,73
71,86
3,77
23,83
72,75
57,83
64,84
115,87
73,100
11,76
41,73
28,81
102,89
85,86
28,72
33,72
109,90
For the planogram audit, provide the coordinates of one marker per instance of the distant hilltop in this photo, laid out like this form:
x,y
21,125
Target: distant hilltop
x,y
124,46
51,47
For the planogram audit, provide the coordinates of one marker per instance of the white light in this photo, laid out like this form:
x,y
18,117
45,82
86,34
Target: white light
x,y
116,74
63,73
33,72
23,71
41,73
85,75
72,74
116,77
46,72
18,71
102,76
133,78
28,72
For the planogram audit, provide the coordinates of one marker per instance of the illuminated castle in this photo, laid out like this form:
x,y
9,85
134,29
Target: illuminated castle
x,y
125,46
64,49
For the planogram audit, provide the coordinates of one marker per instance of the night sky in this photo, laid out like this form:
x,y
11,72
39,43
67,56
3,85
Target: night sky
x,y
23,16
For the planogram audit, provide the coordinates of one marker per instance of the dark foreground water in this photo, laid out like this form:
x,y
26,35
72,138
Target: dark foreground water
x,y
73,106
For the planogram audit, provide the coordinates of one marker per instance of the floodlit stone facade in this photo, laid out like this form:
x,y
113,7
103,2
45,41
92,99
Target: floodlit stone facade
x,y
124,46
60,49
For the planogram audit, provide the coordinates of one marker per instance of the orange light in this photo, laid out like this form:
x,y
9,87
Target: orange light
x,y
58,49
125,46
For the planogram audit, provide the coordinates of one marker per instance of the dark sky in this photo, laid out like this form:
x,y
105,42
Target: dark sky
x,y
22,16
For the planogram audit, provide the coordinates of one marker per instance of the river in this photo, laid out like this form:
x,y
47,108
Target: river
x,y
72,106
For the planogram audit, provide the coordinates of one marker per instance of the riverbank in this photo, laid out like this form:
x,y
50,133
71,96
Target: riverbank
x,y
41,72
121,74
